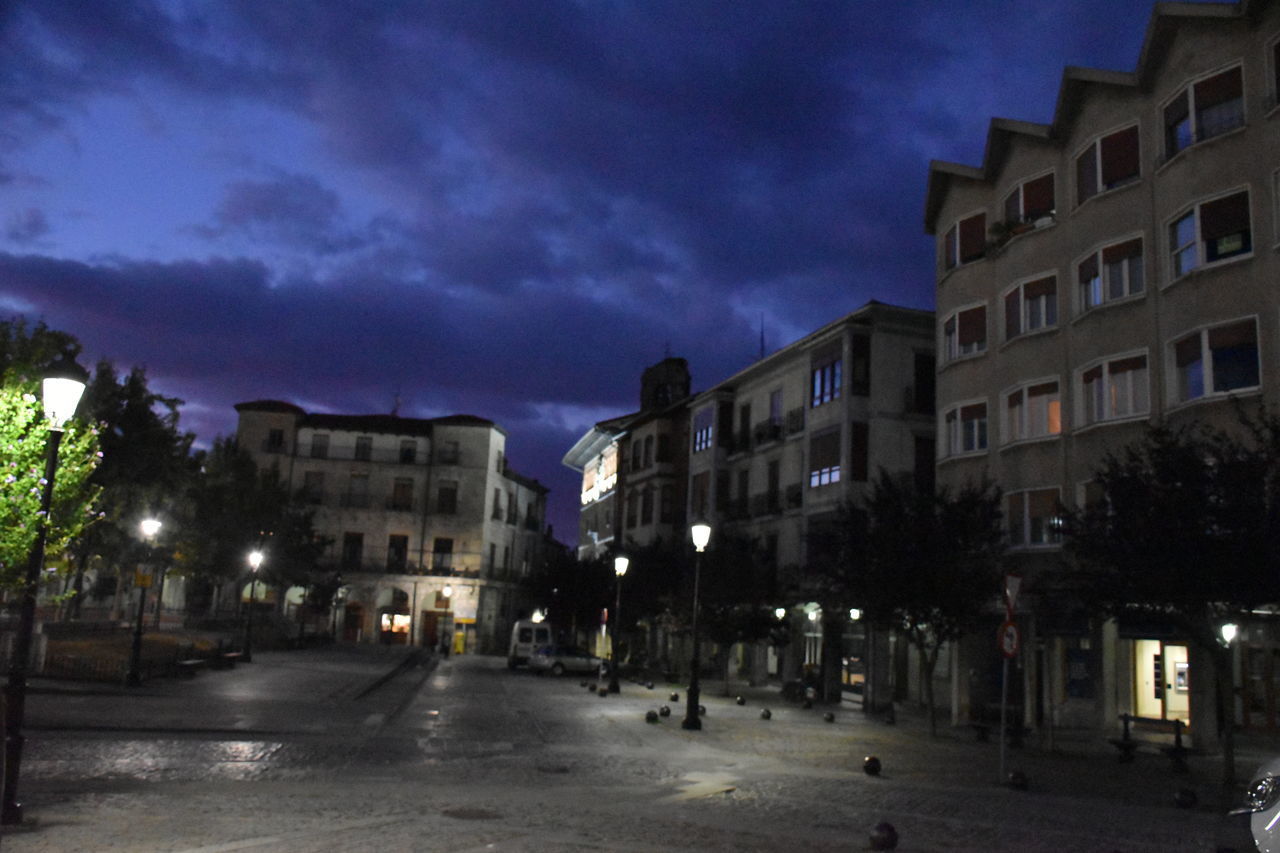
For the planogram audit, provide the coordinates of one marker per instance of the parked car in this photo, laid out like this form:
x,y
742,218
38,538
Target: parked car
x,y
526,636
558,660
1262,804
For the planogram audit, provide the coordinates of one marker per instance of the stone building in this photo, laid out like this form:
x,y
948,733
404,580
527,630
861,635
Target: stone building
x,y
1112,269
430,529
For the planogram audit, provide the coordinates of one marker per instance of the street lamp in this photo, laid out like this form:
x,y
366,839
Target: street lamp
x,y
620,564
61,393
142,580
701,534
255,561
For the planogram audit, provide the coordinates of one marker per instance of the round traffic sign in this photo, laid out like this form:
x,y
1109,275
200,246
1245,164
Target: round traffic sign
x,y
1008,639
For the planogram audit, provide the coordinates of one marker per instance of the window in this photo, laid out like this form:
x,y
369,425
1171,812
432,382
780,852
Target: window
x,y
827,371
447,453
497,504
401,494
1030,200
352,546
824,458
667,504
860,365
1113,389
700,487
664,447
646,505
358,491
1112,273
1031,306
313,486
397,552
1110,161
633,503
859,451
499,464
965,333
512,509
1216,360
1205,109
1211,231
275,441
442,555
775,396
447,498
637,448
1034,518
364,447
1033,411
648,450
703,429
408,451
965,241
320,446
965,429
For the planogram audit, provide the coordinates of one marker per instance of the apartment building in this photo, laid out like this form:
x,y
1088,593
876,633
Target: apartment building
x,y
1112,269
634,468
778,447
429,528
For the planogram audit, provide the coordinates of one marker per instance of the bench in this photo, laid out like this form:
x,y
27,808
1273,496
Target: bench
x,y
188,668
231,658
1177,753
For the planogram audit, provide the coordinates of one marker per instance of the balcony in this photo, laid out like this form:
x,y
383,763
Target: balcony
x,y
767,431
766,503
350,501
794,496
396,504
917,402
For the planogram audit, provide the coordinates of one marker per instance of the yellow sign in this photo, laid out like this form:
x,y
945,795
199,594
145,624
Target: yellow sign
x,y
142,578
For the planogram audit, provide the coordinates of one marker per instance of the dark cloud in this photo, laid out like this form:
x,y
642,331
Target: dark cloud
x,y
295,210
26,226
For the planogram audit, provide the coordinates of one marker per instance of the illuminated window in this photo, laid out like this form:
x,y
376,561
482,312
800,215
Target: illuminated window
x,y
965,241
1031,306
965,333
1030,200
1034,518
1114,389
826,366
1113,273
703,429
1108,162
1216,360
1209,232
965,429
1205,109
824,458
1033,411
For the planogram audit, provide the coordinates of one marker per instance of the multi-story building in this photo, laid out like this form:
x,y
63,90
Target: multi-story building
x,y
1113,269
634,468
429,528
777,448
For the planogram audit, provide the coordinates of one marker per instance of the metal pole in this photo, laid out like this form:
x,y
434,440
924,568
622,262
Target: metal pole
x,y
134,678
15,691
1004,702
613,651
692,721
248,632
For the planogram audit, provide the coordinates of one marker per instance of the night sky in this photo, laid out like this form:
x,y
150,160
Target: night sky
x,y
505,209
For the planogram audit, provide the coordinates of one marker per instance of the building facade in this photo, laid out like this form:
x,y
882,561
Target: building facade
x,y
776,449
1113,269
430,530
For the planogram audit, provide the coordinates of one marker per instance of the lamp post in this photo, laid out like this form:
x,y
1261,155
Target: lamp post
x,y
142,580
255,561
1226,690
701,534
620,564
61,393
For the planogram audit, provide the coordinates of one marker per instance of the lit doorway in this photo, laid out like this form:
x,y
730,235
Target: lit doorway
x,y
1162,681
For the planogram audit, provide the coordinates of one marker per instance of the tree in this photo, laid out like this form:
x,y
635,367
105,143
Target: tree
x,y
735,596
572,591
25,354
924,562
1185,528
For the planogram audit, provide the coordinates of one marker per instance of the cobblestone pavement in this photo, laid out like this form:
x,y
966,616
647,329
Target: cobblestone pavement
x,y
463,755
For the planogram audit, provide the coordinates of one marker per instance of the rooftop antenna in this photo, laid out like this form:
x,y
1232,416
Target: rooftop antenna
x,y
762,336
395,405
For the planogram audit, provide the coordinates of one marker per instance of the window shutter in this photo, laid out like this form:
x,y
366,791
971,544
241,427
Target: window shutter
x,y
1013,313
1093,374
975,411
1121,251
1125,365
1037,197
973,237
1086,175
1177,111
1224,216
1187,351
973,326
1042,503
824,450
1234,335
1088,269
1218,89
1042,390
1041,287
1120,159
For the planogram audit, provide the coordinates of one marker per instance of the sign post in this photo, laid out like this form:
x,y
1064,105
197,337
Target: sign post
x,y
1007,640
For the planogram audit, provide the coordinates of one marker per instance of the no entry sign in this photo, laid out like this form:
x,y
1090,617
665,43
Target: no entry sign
x,y
1008,639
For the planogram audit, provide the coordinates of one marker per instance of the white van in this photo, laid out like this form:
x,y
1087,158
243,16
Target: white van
x,y
527,635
